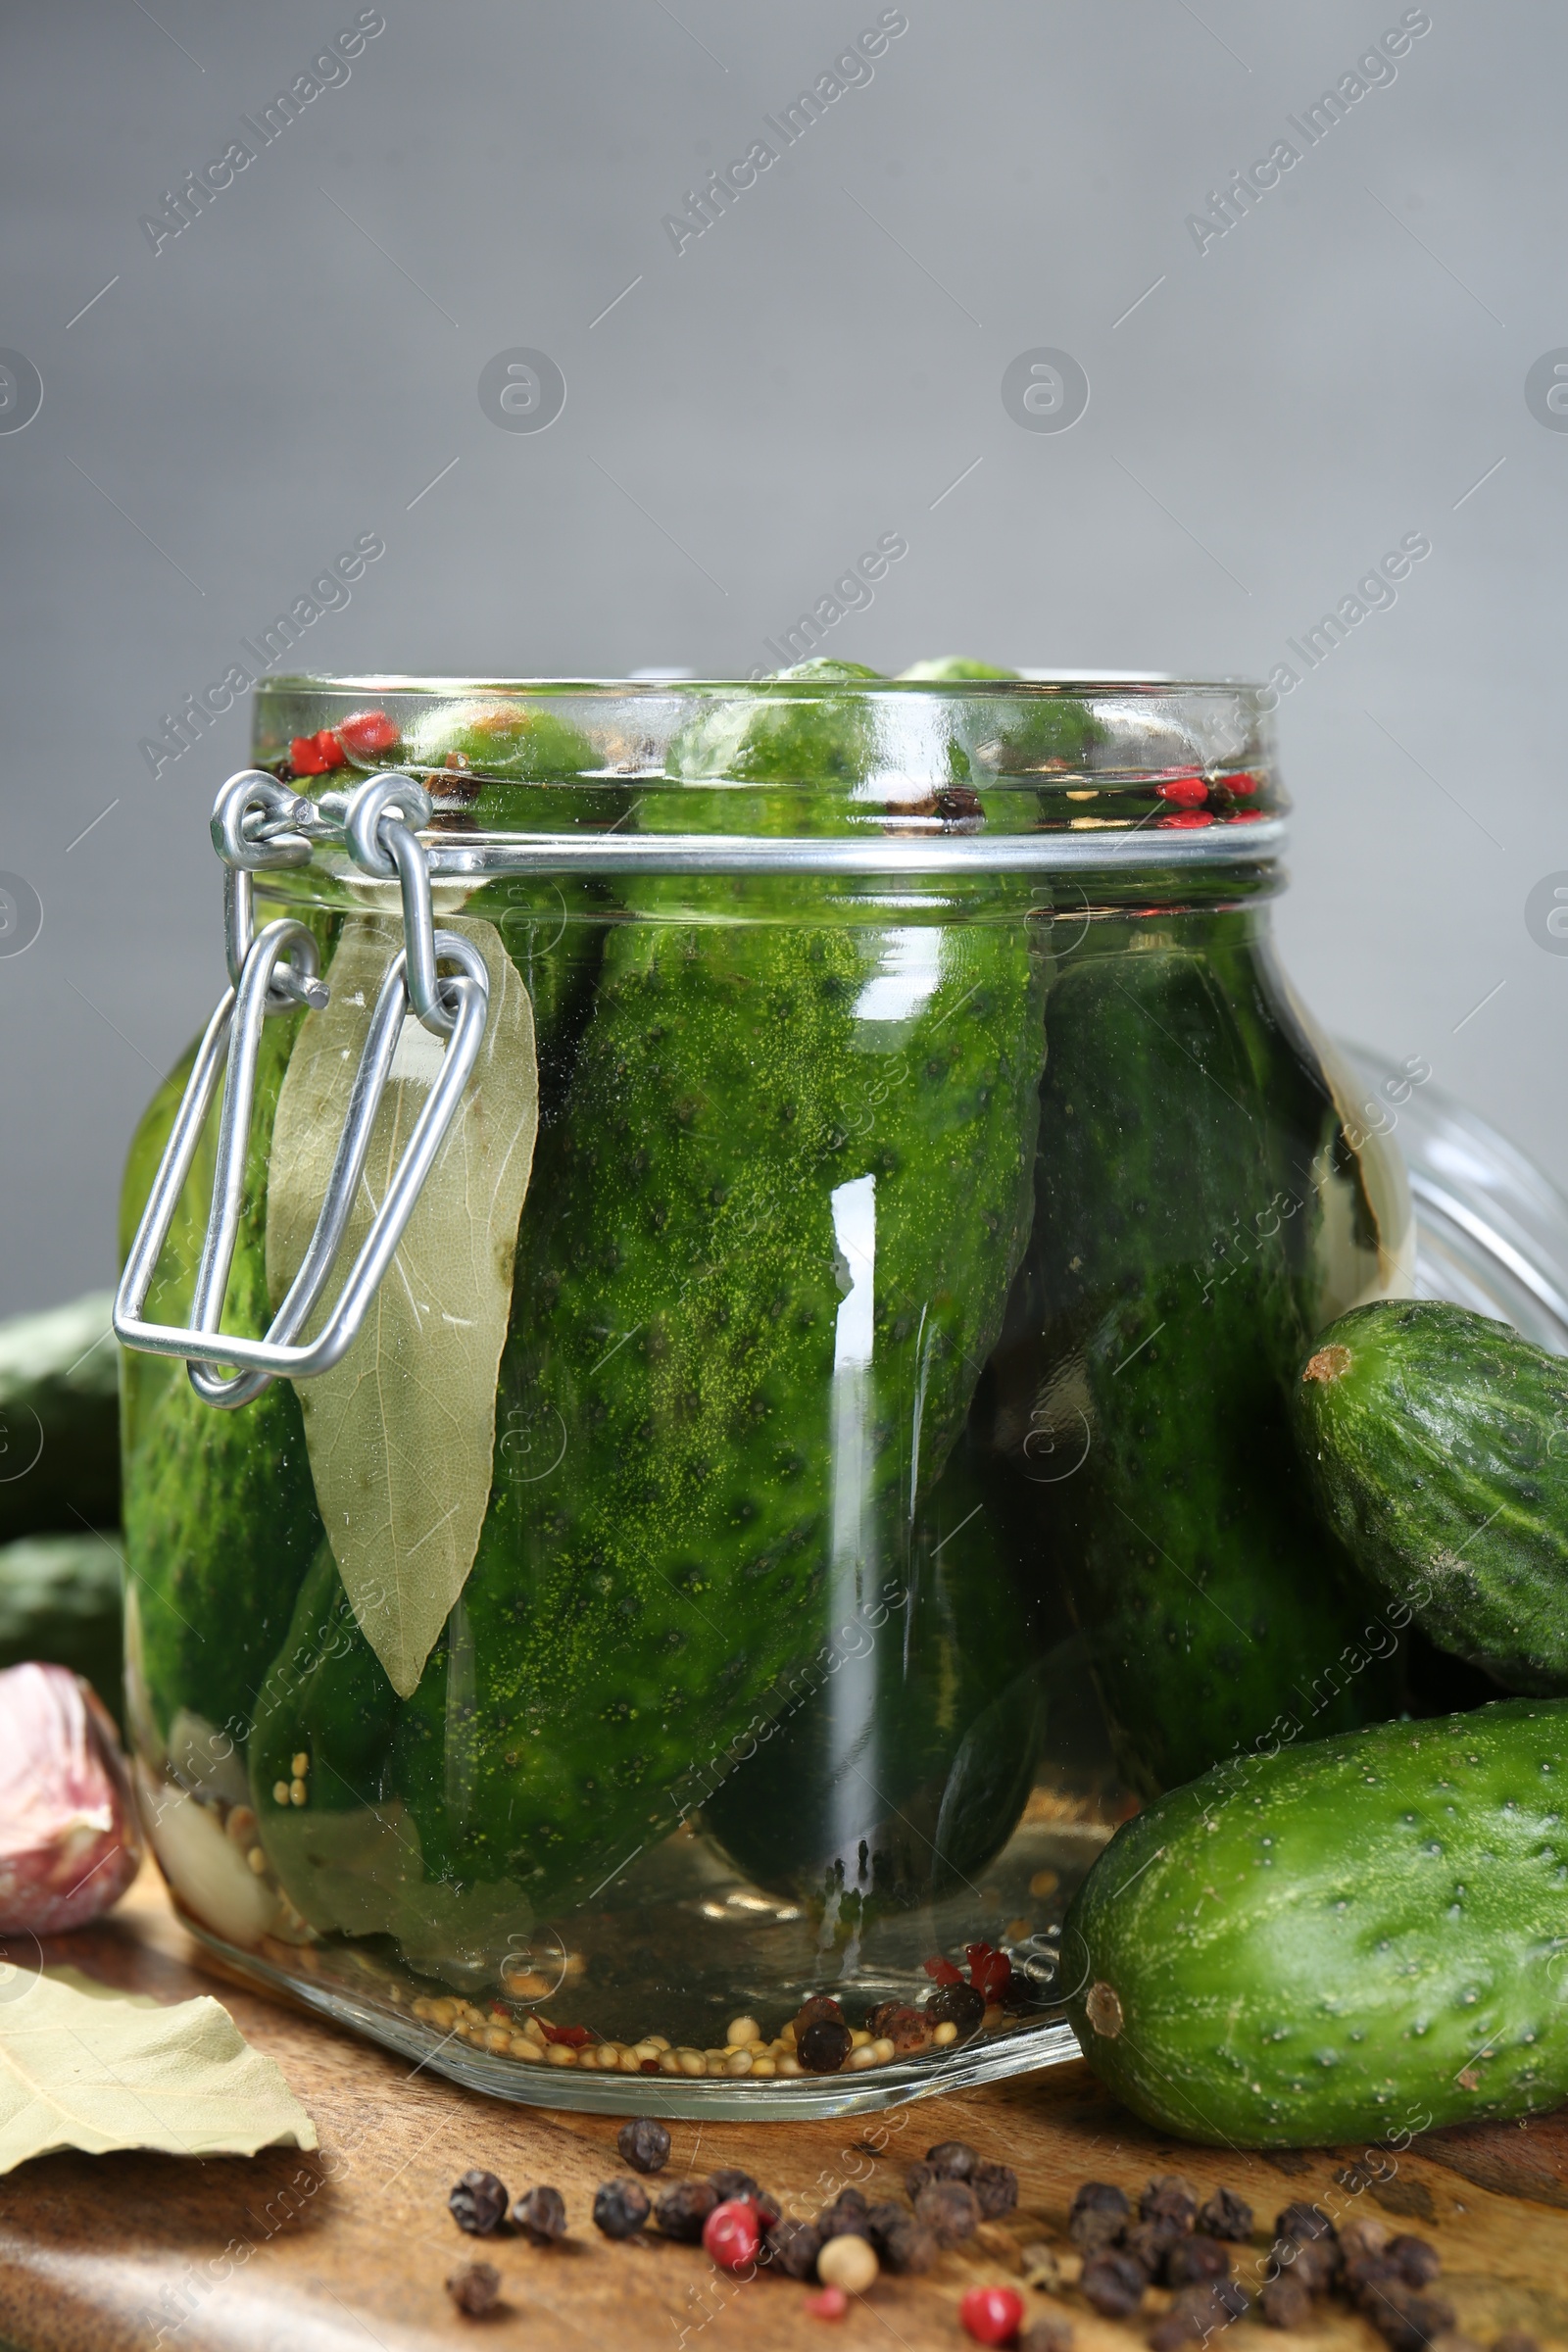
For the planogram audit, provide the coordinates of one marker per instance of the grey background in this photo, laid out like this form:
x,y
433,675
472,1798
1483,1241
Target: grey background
x,y
1339,370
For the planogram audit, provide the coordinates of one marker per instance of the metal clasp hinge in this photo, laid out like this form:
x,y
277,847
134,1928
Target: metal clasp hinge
x,y
257,823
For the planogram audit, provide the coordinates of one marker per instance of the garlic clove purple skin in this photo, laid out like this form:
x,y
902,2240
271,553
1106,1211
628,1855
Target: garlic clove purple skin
x,y
69,1842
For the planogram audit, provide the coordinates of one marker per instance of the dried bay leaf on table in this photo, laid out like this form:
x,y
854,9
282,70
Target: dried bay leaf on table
x,y
98,2071
401,1433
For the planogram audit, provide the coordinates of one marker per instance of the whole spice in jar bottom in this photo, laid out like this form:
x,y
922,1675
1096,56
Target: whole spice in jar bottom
x,y
893,2031
824,2046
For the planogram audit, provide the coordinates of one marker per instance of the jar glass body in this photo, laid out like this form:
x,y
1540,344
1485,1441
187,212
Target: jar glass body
x,y
880,1477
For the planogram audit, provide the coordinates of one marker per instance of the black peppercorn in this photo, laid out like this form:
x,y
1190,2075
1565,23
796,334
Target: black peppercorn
x,y
793,2247
1150,2243
996,2185
473,2288
955,2005
822,2008
1195,2261
620,2208
1114,2283
1225,2215
729,2183
1418,2260
540,2214
1050,2333
845,2217
644,2144
1169,2202
823,2046
900,2024
917,2179
1304,2223
1286,2302
478,2203
1099,2214
1407,2319
1195,2313
683,2209
904,2248
952,2159
1366,2273
1317,2264
880,2217
948,2209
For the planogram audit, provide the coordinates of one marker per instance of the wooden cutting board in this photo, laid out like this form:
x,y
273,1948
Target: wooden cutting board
x,y
348,2248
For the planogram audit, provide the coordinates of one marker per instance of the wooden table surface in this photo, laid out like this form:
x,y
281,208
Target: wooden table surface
x,y
349,2247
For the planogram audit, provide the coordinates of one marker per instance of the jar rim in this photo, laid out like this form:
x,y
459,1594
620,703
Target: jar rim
x,y
1031,683
807,770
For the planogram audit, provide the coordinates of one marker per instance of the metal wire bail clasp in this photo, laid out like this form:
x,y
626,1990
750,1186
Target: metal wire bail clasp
x,y
257,823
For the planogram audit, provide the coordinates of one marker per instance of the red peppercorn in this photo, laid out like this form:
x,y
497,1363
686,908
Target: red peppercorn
x,y
1188,792
366,732
831,2304
573,2035
315,755
990,1972
943,1972
1189,817
992,2314
732,2235
1246,781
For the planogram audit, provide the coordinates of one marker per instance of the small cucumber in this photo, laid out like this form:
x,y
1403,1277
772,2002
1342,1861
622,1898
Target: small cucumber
x,y
1439,1444
60,1602
1366,1935
59,1420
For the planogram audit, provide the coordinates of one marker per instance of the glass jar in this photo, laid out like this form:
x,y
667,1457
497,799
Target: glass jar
x,y
819,1456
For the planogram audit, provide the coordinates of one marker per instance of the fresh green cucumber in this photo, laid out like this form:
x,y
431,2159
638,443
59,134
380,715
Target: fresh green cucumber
x,y
221,1516
1142,1386
60,1602
1363,1936
59,1420
1437,1440
690,1453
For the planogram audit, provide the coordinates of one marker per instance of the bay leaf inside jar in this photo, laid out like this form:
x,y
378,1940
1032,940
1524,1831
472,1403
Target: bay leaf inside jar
x,y
401,1432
